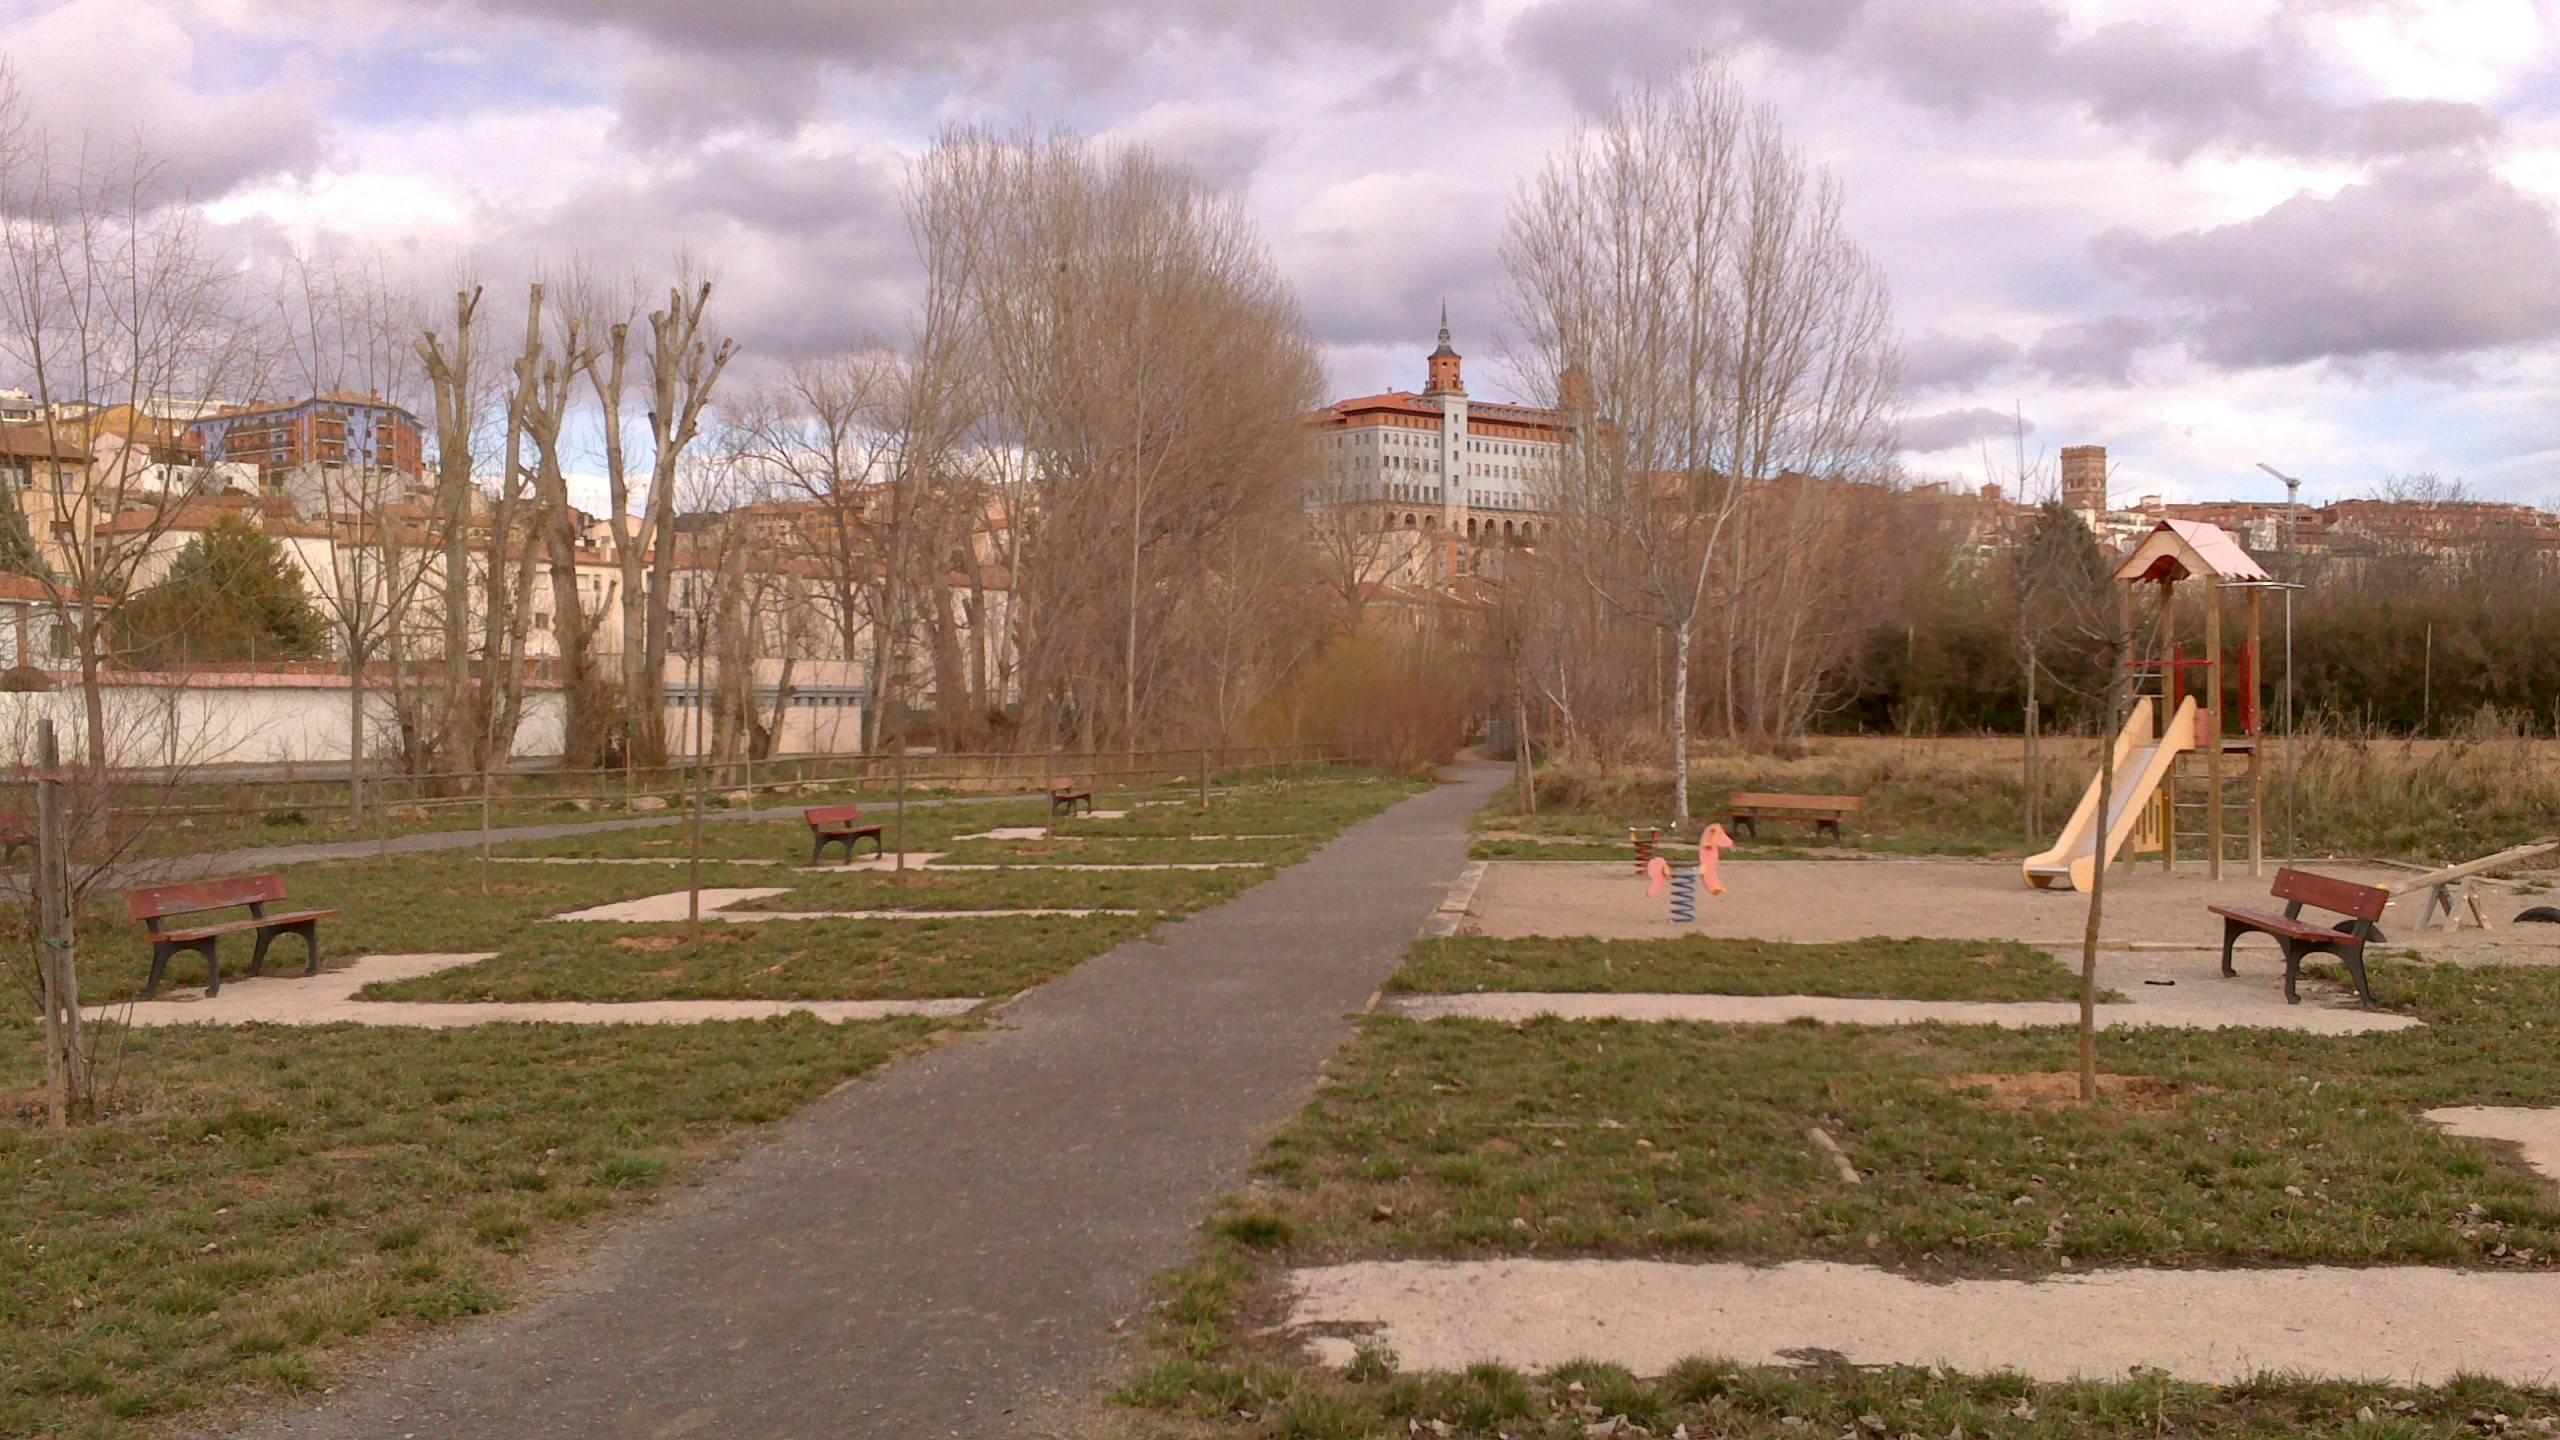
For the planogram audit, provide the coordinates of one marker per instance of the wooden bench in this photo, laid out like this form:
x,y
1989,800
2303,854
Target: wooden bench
x,y
2361,904
154,905
1825,811
15,835
1064,795
834,825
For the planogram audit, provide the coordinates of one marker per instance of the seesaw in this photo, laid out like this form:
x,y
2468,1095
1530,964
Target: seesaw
x,y
2439,884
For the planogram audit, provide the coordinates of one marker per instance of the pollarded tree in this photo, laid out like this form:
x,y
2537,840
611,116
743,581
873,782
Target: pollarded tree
x,y
230,595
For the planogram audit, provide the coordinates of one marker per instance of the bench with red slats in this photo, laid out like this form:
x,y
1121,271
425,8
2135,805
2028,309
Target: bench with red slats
x,y
154,905
834,825
2361,904
1065,795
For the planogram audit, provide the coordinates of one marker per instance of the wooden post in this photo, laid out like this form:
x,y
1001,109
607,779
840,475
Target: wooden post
x,y
66,1081
1204,779
484,830
2257,740
2213,712
900,762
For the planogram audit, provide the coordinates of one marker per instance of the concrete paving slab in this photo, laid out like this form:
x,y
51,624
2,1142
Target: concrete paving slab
x,y
677,905
620,860
1514,1007
916,859
2534,1131
674,905
329,998
2409,1325
756,917
1133,865
2176,989
1827,900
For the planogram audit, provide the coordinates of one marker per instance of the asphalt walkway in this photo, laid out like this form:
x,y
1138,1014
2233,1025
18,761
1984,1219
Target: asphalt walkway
x,y
945,1249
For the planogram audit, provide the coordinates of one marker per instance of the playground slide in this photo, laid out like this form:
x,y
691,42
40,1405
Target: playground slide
x,y
2142,764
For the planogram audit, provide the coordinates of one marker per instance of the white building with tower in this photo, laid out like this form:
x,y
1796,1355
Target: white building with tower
x,y
1439,479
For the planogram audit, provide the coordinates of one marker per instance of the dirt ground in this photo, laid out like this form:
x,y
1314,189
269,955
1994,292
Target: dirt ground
x,y
1830,900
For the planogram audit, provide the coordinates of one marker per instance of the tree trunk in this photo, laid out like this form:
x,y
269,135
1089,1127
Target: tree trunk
x,y
2098,881
355,737
1680,725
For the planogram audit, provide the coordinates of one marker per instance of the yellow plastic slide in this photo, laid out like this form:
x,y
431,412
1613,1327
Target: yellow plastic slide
x,y
2142,762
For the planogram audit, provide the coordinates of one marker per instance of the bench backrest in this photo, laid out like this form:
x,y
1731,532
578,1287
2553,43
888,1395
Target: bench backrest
x,y
831,814
1753,801
2327,892
154,901
1059,783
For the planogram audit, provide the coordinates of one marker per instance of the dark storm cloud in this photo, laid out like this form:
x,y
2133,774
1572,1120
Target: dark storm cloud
x,y
1948,429
1940,361
2096,351
2150,80
2427,259
668,98
810,254
871,36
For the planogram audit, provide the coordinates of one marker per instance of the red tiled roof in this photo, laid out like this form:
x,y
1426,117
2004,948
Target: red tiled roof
x,y
29,440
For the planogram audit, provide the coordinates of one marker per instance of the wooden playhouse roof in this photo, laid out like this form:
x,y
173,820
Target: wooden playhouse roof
x,y
2176,549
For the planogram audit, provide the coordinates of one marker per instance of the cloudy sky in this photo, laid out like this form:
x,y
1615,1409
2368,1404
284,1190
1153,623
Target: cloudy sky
x,y
2317,233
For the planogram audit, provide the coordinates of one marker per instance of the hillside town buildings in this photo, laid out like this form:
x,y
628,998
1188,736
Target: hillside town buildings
x,y
2342,531
112,496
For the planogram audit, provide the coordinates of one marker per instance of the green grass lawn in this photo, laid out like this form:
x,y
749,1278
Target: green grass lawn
x,y
2245,1147
429,902
1463,1139
1089,849
1168,891
256,1197
253,1198
1698,964
796,960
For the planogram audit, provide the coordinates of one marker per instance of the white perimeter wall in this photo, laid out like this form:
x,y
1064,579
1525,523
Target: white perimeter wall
x,y
150,725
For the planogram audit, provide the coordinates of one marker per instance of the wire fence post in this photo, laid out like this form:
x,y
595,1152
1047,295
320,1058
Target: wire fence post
x,y
899,763
1204,778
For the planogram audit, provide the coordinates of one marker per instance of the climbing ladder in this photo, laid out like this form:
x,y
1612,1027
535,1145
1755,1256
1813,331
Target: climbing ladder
x,y
2225,822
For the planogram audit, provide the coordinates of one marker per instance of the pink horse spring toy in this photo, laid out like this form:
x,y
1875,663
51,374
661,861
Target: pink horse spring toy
x,y
1708,844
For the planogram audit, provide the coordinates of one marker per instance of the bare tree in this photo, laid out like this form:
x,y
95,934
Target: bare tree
x,y
1142,350
1687,294
127,328
345,327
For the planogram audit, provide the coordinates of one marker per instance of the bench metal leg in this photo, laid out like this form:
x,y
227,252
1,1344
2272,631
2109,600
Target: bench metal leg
x,y
818,848
162,950
2293,952
1833,826
2232,930
1748,825
2353,956
876,850
310,934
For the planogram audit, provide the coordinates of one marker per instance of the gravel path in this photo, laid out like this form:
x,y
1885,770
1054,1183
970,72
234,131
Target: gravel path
x,y
946,1249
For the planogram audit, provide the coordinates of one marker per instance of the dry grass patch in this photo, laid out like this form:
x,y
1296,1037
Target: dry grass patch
x,y
2046,1089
